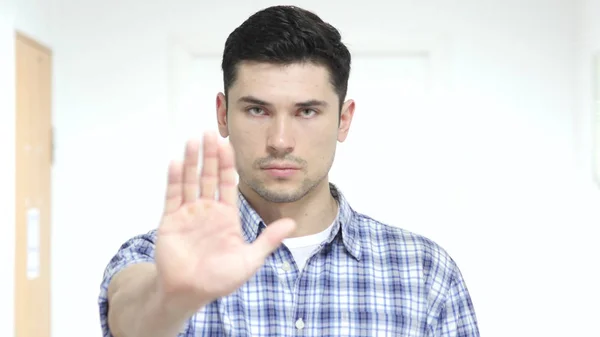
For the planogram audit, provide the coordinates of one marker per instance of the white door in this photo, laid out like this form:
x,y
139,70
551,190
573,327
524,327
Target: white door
x,y
399,161
194,85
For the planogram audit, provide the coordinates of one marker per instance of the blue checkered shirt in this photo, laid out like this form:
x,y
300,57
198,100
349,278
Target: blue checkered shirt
x,y
366,279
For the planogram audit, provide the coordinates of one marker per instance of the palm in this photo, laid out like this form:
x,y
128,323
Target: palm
x,y
206,255
200,251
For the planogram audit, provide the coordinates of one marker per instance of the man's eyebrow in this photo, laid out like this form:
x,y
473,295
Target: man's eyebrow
x,y
305,104
252,100
312,102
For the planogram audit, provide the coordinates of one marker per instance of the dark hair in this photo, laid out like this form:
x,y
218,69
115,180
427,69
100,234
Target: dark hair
x,y
286,35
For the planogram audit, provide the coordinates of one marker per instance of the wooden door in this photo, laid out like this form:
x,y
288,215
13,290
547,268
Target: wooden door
x,y
33,165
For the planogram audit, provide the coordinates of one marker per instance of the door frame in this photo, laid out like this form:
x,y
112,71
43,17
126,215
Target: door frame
x,y
32,290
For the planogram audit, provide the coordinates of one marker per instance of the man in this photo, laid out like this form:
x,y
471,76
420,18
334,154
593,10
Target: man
x,y
280,253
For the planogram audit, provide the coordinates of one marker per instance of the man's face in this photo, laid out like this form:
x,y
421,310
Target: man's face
x,y
282,122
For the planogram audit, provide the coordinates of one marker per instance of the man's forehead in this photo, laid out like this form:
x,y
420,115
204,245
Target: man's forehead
x,y
295,70
255,79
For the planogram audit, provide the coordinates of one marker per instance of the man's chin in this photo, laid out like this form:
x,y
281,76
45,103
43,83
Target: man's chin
x,y
280,194
279,190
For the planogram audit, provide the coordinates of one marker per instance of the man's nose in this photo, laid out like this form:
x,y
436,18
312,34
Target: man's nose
x,y
281,140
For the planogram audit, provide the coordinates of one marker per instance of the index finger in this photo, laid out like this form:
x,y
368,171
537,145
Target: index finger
x,y
228,191
174,193
190,171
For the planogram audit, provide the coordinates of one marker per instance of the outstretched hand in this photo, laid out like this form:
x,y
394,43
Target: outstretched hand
x,y
201,254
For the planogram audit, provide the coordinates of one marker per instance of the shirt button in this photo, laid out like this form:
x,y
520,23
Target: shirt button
x,y
299,324
285,266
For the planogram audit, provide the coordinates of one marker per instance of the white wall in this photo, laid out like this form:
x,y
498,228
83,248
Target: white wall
x,y
588,44
513,69
589,26
7,170
31,17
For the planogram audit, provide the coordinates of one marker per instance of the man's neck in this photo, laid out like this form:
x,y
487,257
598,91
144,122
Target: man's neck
x,y
312,214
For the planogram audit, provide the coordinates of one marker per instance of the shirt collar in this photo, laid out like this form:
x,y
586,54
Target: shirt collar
x,y
344,226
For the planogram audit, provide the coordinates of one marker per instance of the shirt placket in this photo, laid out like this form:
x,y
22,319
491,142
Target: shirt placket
x,y
287,273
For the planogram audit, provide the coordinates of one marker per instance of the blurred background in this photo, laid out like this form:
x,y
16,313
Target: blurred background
x,y
474,126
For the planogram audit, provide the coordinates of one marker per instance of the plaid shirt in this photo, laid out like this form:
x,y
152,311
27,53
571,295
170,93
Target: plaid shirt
x,y
366,279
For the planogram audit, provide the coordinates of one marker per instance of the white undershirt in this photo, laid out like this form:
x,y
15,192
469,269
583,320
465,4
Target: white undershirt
x,y
302,247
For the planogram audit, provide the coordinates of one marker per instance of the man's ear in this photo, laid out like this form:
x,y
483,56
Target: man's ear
x,y
222,115
346,115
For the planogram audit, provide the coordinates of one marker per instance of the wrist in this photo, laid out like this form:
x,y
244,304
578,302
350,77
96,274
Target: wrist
x,y
160,314
174,305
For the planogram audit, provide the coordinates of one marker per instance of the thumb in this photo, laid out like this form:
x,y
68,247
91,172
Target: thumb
x,y
269,240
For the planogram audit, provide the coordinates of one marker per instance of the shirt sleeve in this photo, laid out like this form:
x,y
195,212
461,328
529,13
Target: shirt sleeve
x,y
136,250
457,317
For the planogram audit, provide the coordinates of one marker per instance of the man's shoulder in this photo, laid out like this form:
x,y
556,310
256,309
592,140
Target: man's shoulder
x,y
142,239
396,240
136,247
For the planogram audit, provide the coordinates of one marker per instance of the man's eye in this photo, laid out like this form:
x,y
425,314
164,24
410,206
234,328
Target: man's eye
x,y
256,111
308,113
